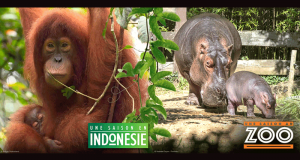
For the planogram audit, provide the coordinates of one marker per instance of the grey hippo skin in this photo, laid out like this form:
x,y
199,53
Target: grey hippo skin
x,y
209,49
250,89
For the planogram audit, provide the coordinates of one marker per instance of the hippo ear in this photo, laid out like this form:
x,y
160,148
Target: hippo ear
x,y
274,95
264,98
202,48
229,48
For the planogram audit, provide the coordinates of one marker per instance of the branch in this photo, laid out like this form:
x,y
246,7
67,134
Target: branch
x,y
147,38
143,59
127,92
115,67
76,91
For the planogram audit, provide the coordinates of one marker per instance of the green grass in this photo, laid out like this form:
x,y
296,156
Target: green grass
x,y
179,82
289,108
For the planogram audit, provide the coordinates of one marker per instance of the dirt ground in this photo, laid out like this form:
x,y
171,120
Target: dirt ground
x,y
195,129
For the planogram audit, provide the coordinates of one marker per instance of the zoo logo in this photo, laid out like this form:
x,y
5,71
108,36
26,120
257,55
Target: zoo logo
x,y
272,135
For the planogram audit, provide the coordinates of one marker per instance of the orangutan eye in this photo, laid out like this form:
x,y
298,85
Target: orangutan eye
x,y
50,45
64,45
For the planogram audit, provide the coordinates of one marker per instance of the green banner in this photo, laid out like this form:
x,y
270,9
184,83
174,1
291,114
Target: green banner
x,y
118,135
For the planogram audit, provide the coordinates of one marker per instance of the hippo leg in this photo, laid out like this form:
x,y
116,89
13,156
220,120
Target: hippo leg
x,y
231,108
250,108
194,92
193,99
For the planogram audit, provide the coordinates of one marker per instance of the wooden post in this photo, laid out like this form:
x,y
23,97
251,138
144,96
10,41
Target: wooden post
x,y
181,12
292,71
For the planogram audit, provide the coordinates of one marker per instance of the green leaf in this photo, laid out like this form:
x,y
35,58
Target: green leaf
x,y
159,56
129,117
138,67
145,67
160,75
169,50
153,116
127,47
121,75
153,69
154,28
145,118
153,136
147,57
150,103
67,92
145,110
171,16
140,10
166,44
22,100
128,67
162,21
122,16
158,10
161,110
149,60
165,84
150,127
10,94
162,132
105,28
151,91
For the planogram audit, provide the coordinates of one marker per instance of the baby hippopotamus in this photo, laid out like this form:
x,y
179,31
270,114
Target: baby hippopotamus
x,y
250,89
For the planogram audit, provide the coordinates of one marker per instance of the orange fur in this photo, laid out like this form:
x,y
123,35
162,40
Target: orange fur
x,y
17,139
66,120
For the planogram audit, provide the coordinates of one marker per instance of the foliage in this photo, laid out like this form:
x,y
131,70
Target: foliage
x,y
253,18
289,20
12,53
148,113
179,82
2,138
67,92
296,92
273,80
288,109
244,58
163,28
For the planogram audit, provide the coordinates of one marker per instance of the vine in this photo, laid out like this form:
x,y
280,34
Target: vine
x,y
149,58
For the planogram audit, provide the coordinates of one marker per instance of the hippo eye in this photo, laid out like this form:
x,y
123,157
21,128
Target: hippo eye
x,y
208,64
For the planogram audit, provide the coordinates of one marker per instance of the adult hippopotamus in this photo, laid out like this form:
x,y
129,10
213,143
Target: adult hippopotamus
x,y
209,49
250,89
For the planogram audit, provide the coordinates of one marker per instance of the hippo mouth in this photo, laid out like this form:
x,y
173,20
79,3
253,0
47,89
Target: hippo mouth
x,y
267,115
211,100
